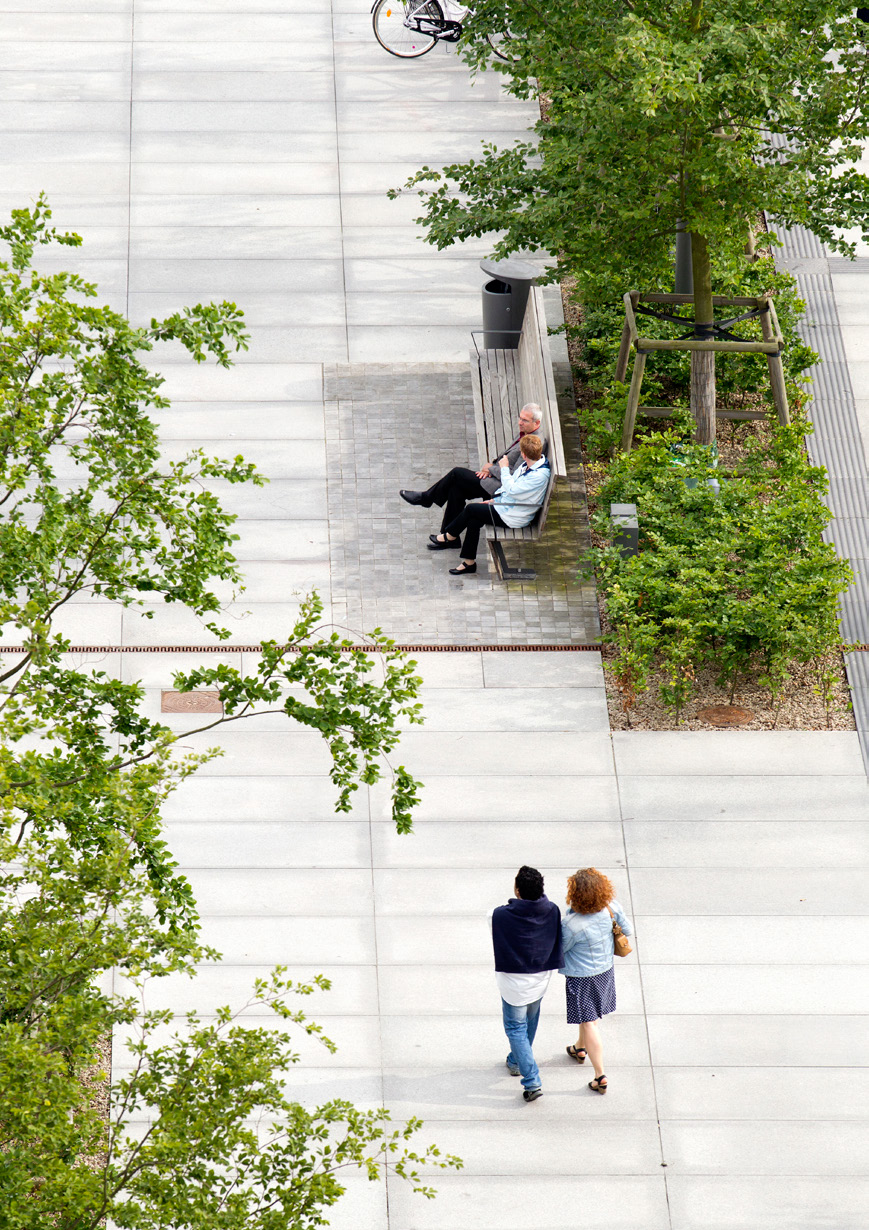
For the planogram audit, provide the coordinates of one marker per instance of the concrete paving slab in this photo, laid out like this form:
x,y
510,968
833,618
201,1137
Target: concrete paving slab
x,y
765,989
706,1203
506,844
761,1093
478,1043
255,243
525,709
770,1041
494,1149
460,798
282,892
801,891
489,1203
754,798
740,753
271,844
722,844
251,797
727,940
791,1148
242,209
483,1096
250,940
490,755
248,89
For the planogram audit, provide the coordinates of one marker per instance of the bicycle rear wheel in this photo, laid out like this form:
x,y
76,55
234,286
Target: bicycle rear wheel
x,y
393,35
503,46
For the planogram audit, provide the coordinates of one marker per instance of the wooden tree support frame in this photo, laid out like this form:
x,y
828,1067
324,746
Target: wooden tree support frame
x,y
762,309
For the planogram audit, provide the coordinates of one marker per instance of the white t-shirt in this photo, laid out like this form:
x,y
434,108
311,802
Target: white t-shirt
x,y
519,989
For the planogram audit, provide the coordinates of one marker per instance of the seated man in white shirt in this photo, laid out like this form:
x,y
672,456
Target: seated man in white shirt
x,y
526,937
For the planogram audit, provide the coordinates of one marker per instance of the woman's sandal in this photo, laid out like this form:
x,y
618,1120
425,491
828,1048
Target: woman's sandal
x,y
579,1053
596,1084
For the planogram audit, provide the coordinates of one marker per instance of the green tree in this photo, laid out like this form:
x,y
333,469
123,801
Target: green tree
x,y
660,112
88,507
202,1130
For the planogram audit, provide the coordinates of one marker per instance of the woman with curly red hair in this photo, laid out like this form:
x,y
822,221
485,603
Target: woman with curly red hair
x,y
587,939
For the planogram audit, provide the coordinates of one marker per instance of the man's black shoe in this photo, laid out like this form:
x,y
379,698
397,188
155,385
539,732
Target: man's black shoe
x,y
411,497
531,1095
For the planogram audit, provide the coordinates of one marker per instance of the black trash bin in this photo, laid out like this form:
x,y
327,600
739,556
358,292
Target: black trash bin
x,y
504,301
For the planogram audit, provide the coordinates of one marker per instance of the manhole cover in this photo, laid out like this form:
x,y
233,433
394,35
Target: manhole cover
x,y
725,715
191,702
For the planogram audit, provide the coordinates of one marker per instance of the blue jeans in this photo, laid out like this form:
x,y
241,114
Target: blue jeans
x,y
520,1026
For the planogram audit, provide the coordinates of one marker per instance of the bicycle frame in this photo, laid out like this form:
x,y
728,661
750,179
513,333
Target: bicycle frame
x,y
449,30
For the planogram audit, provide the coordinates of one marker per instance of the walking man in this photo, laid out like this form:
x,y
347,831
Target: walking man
x,y
526,937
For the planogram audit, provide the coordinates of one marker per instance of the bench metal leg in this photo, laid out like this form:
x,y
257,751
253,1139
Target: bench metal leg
x,y
505,572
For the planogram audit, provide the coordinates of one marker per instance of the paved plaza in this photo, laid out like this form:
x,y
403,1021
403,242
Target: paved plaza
x,y
219,149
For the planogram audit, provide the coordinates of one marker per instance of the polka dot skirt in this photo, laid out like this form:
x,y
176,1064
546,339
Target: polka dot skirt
x,y
588,999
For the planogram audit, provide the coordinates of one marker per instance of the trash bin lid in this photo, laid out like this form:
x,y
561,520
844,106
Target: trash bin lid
x,y
510,270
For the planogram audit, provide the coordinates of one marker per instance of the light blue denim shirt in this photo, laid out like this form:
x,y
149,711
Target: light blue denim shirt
x,y
522,493
587,940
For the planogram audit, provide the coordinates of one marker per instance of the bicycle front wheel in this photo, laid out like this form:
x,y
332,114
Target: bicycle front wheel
x,y
393,35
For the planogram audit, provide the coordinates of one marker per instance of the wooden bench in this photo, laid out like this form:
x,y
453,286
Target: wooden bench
x,y
503,382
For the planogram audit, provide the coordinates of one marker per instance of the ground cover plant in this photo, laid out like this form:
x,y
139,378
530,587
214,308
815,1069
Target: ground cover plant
x,y
733,585
89,508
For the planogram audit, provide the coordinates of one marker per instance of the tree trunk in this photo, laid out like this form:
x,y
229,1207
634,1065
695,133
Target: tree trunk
x,y
702,361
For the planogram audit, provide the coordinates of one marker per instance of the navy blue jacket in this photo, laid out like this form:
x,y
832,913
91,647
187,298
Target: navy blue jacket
x,y
526,936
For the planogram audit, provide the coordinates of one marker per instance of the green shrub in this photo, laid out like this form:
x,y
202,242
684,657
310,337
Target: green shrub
x,y
740,581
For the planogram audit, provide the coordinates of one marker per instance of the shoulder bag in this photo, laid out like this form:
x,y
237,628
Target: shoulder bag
x,y
621,947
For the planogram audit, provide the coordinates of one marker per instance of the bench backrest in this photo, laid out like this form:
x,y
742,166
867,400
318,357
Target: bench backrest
x,y
536,379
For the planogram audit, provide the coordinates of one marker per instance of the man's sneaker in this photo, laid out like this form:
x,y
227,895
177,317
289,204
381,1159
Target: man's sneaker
x,y
512,1068
531,1095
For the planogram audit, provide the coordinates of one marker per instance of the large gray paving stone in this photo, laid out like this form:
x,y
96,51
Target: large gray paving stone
x,y
723,844
543,670
460,798
799,891
490,1203
764,989
726,940
246,89
252,940
744,1203
222,207
478,1041
814,799
286,843
494,1149
262,382
282,892
353,988
312,112
295,146
464,1092
506,844
234,243
286,57
270,421
35,56
536,712
488,754
782,1147
768,1041
260,797
740,753
760,1093
65,85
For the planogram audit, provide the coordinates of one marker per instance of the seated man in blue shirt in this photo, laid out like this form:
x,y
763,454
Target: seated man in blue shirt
x,y
515,504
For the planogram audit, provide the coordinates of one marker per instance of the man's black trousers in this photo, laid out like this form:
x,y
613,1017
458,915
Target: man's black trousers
x,y
453,491
470,522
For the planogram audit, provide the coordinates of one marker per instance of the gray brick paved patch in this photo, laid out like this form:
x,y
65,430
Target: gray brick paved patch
x,y
403,425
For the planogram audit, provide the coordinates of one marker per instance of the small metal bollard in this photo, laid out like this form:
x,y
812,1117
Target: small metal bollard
x,y
627,529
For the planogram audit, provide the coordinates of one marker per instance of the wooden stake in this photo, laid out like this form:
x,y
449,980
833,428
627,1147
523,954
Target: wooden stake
x,y
776,372
624,353
633,401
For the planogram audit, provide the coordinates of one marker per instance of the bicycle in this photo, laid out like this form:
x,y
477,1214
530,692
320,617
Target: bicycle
x,y
410,28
